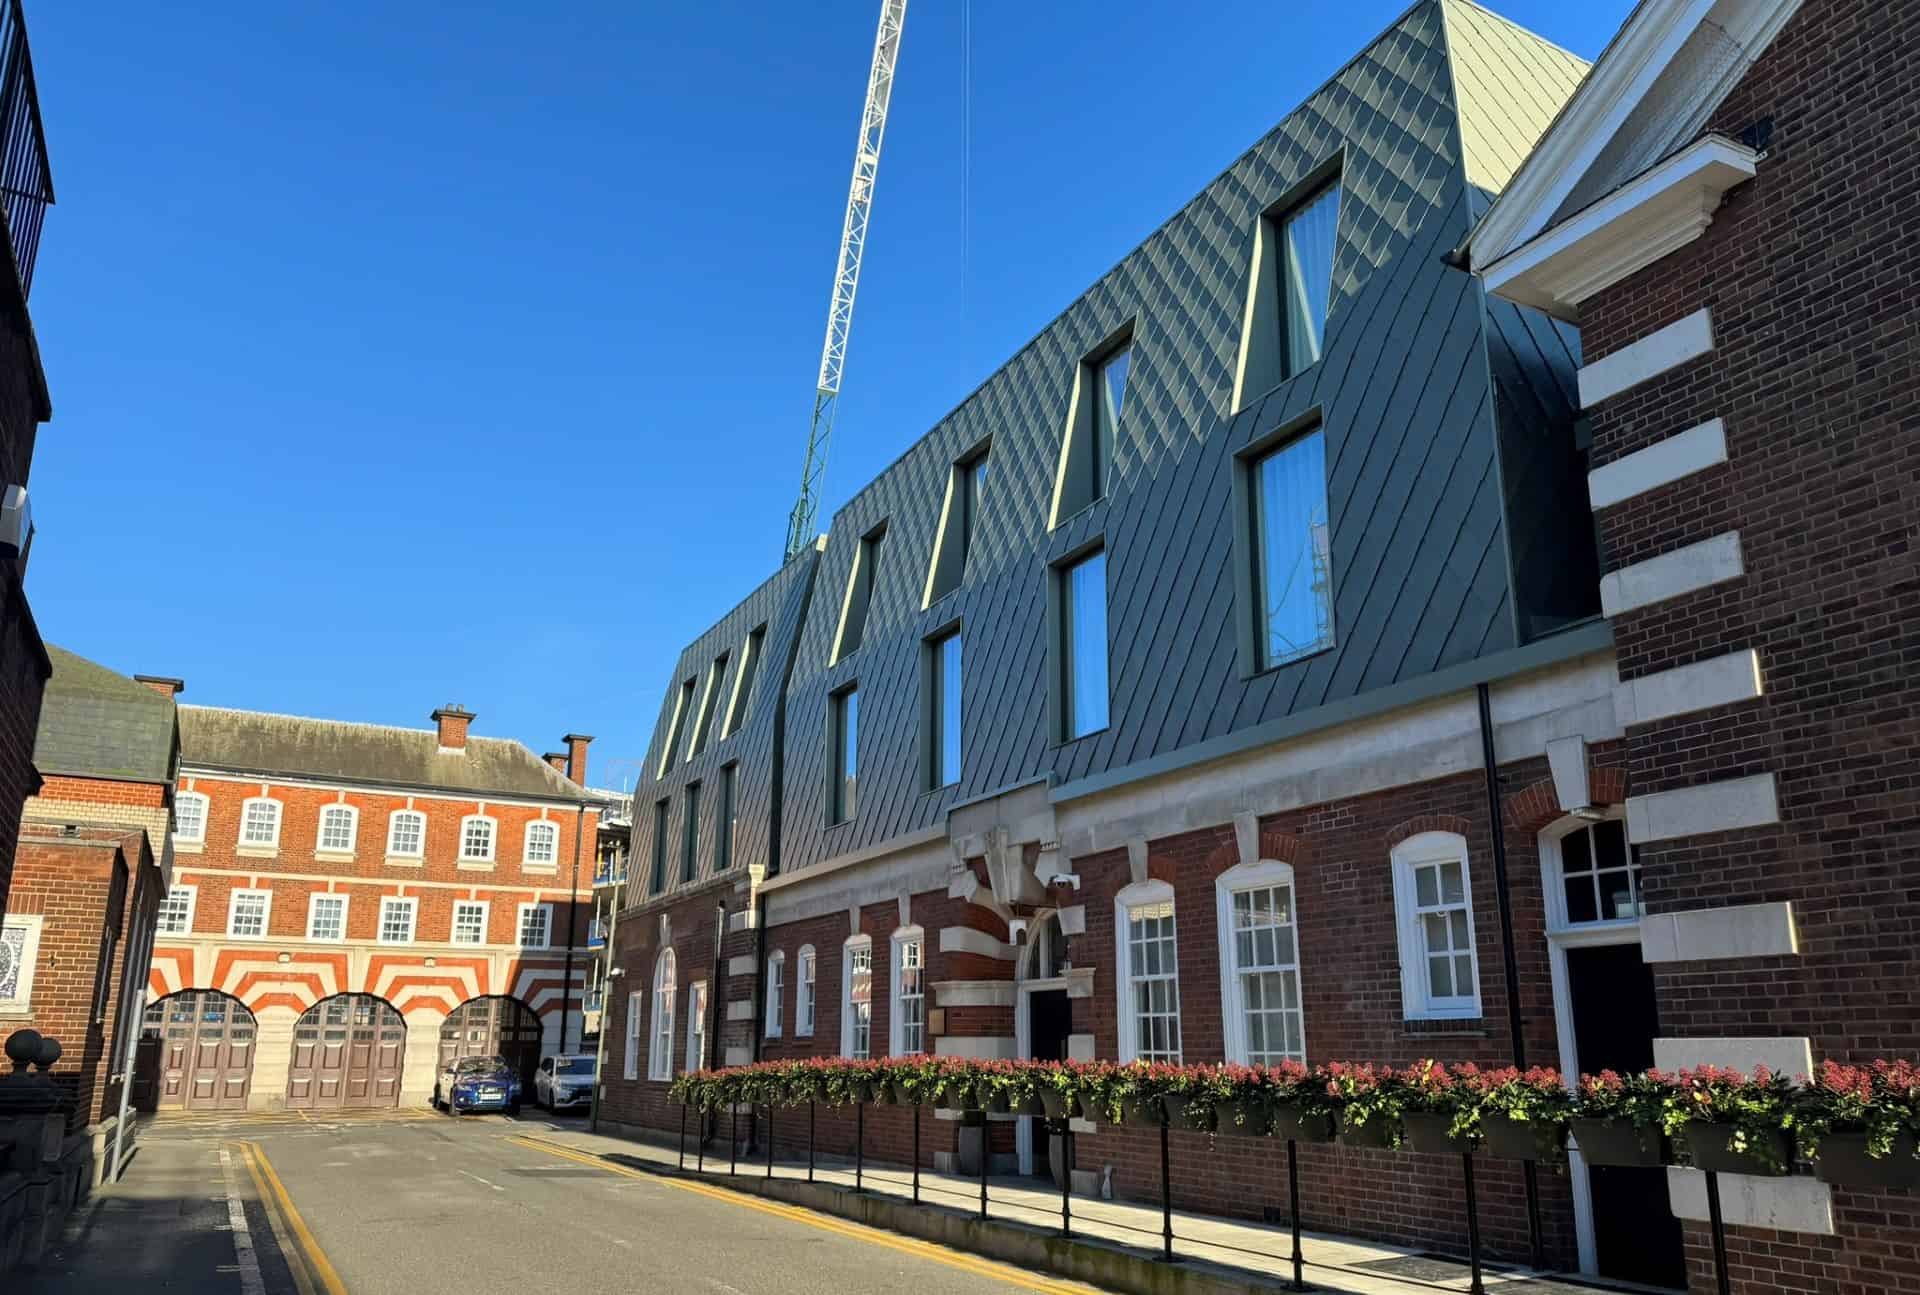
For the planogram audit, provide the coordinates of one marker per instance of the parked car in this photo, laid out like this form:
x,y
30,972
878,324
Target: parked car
x,y
564,1081
478,1084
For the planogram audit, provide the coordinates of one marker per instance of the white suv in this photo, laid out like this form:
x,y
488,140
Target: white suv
x,y
564,1081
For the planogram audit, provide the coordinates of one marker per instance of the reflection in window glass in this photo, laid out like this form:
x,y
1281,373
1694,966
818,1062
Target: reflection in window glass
x,y
1293,575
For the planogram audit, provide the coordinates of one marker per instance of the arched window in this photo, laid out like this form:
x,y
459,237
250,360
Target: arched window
x,y
189,818
476,838
803,1007
339,827
660,1055
1433,902
1259,964
260,822
776,990
542,848
1592,873
907,1027
1149,973
406,834
856,997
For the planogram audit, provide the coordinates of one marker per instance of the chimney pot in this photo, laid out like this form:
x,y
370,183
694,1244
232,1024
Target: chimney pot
x,y
161,684
452,721
576,769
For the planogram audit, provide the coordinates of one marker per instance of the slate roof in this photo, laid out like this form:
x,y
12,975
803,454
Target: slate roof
x,y
248,741
95,723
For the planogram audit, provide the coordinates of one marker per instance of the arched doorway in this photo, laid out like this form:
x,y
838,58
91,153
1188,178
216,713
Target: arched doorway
x,y
347,1053
494,1026
195,1054
1043,1019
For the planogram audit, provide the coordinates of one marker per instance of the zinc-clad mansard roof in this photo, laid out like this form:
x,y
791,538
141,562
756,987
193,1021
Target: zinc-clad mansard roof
x,y
1451,541
256,742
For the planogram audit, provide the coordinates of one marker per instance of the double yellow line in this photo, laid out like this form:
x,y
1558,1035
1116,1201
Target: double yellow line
x,y
312,1272
854,1231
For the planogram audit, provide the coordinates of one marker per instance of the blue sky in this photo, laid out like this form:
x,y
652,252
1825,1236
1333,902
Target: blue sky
x,y
425,352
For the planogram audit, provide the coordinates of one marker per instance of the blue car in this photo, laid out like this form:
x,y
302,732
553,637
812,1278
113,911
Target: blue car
x,y
478,1084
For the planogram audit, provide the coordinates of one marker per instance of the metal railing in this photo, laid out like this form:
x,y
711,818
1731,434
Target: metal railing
x,y
26,181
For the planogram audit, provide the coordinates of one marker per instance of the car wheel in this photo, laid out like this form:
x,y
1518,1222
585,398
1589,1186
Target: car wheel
x,y
436,1104
513,1109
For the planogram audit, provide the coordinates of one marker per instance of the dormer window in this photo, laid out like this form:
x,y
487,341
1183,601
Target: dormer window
x,y
1289,291
959,522
1093,425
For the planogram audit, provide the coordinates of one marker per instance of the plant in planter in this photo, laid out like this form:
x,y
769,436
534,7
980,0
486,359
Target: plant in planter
x,y
1620,1119
956,1087
1861,1124
993,1086
1302,1110
1068,1088
1131,1094
1730,1122
1020,1087
1241,1097
1524,1114
1440,1106
915,1079
1367,1102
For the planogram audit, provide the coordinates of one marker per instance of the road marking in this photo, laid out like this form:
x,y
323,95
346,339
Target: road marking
x,y
275,1222
478,1179
871,1236
250,1280
328,1279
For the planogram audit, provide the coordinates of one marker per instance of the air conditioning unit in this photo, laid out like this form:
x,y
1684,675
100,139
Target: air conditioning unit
x,y
16,526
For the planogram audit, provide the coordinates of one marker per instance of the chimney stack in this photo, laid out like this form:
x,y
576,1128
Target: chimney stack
x,y
576,769
452,721
168,688
558,759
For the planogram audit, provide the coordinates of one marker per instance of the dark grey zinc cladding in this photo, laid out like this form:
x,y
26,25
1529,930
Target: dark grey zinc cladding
x,y
1418,409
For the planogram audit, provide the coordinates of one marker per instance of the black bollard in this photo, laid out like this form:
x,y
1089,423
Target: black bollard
x,y
769,1139
682,1166
733,1142
859,1144
984,1150
1066,1178
1473,1226
1166,1193
1293,1211
700,1145
809,1141
916,1153
1719,1230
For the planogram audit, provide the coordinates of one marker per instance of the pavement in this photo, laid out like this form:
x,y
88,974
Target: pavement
x,y
385,1203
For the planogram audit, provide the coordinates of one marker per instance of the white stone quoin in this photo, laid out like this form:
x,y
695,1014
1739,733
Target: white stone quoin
x,y
1679,455
1743,931
1672,575
1663,349
1700,685
1724,806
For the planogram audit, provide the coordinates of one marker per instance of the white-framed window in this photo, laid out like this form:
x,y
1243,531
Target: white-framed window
x,y
469,921
339,826
660,1055
635,1000
803,1007
327,917
407,834
1592,875
1260,964
176,910
697,1025
535,926
476,838
1433,900
908,1018
396,920
776,991
856,997
542,847
1149,973
189,817
247,913
260,821
19,951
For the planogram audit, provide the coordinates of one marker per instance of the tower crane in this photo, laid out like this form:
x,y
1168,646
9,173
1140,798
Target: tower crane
x,y
846,277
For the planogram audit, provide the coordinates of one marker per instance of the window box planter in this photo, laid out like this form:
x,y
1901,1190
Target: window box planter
x,y
1619,1143
1034,1104
1376,1132
957,1096
1292,1125
1844,1162
863,1091
885,1094
1056,1105
1428,1134
1511,1139
997,1104
1240,1119
1185,1114
1707,1149
1142,1112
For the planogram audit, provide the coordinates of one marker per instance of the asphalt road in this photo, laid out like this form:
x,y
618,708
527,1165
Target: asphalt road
x,y
418,1205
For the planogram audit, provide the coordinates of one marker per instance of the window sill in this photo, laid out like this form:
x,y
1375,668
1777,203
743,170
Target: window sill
x,y
257,851
548,868
188,847
404,861
335,856
1431,1027
475,865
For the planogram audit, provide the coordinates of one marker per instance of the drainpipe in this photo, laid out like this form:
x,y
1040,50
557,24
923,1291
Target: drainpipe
x,y
573,919
1496,826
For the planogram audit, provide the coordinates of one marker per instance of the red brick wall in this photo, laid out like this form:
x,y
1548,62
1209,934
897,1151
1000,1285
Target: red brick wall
x,y
105,791
24,669
1809,272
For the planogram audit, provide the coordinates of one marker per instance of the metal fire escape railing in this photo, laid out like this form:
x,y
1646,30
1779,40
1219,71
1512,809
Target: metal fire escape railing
x,y
26,182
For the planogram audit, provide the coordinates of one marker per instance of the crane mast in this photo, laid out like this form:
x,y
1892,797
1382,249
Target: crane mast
x,y
846,277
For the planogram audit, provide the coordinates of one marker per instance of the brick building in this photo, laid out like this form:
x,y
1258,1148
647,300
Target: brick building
x,y
1727,211
92,866
24,405
352,904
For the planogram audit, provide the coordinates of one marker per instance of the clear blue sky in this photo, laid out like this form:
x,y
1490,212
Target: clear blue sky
x,y
407,353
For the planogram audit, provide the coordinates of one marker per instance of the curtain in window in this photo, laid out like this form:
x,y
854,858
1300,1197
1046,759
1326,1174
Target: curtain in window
x,y
1296,569
1308,275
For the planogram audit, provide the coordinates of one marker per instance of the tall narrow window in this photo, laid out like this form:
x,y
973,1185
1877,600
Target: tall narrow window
x,y
1439,972
327,917
803,1007
176,911
711,702
697,1025
776,990
476,838
536,926
190,818
723,820
844,737
632,1068
743,681
1149,979
470,921
1082,650
660,1055
542,846
690,834
260,822
1093,425
247,913
682,703
943,709
1260,968
339,824
406,834
396,920
909,1016
859,595
960,525
1289,293
657,882
856,1004
1291,551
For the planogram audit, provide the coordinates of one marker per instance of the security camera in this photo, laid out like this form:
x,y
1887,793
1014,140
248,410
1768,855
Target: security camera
x,y
1065,879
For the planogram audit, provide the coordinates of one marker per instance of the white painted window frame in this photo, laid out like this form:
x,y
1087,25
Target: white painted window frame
x,y
1416,1003
320,845
776,990
493,838
192,893
200,799
279,817
1138,895
486,920
412,905
21,1002
392,820
526,844
266,912
805,1005
1258,875
313,906
520,924
847,950
636,1000
660,1050
1553,877
903,937
696,1026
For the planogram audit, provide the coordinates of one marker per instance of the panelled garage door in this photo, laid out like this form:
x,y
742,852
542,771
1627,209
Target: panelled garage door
x,y
195,1054
347,1053
485,1027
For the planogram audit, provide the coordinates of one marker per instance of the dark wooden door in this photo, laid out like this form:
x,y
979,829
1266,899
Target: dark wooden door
x,y
197,1051
497,1026
348,1053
